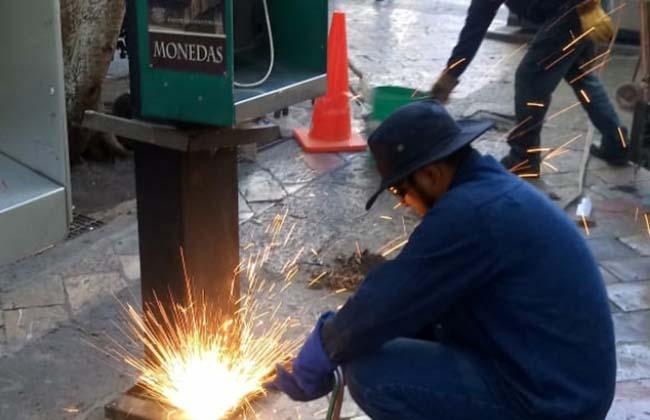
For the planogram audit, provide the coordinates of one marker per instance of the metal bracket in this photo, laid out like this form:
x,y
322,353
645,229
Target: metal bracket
x,y
184,139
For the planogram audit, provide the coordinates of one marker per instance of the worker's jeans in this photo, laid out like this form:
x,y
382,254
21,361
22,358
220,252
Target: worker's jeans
x,y
543,67
415,380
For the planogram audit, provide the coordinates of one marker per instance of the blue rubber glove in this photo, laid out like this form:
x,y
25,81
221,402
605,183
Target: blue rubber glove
x,y
312,375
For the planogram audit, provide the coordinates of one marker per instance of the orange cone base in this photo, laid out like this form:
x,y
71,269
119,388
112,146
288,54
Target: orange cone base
x,y
355,143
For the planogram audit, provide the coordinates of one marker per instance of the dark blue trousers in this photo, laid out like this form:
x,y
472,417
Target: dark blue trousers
x,y
416,380
543,67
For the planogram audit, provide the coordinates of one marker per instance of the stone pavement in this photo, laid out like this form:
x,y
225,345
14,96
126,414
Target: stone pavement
x,y
61,309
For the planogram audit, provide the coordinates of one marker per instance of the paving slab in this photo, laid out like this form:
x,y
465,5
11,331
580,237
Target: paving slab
x,y
130,267
630,296
83,290
245,211
628,176
25,325
126,242
613,224
100,256
608,277
286,162
631,402
498,148
261,186
619,193
559,180
323,162
629,269
633,361
46,290
610,248
359,172
632,327
65,373
640,243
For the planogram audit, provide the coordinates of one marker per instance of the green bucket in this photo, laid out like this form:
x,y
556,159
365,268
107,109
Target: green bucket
x,y
386,99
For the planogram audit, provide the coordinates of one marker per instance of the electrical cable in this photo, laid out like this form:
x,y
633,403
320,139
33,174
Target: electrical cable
x,y
272,53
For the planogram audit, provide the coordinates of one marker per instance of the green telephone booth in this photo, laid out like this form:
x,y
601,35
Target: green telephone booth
x,y
222,62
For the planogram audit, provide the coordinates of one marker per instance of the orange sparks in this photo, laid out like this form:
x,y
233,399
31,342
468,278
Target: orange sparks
x,y
340,290
636,214
286,286
556,153
535,104
596,58
585,96
291,274
559,19
456,64
569,142
292,263
647,222
550,166
617,8
194,350
317,279
398,205
313,251
286,240
389,244
539,149
386,217
560,58
518,126
395,248
519,165
71,410
528,175
507,57
563,111
356,244
622,137
575,41
562,149
587,72
585,224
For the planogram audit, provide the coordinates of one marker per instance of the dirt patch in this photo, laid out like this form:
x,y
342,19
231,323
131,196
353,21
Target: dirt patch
x,y
346,272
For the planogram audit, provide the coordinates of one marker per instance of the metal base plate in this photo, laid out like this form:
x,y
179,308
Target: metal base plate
x,y
133,405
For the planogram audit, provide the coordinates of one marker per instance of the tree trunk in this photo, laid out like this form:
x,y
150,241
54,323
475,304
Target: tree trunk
x,y
90,29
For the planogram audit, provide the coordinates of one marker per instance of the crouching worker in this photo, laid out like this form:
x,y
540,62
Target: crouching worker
x,y
522,326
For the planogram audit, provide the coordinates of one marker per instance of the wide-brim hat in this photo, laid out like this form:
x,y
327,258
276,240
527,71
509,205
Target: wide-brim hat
x,y
416,135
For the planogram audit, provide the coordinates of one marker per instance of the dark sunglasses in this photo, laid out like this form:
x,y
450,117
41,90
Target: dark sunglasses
x,y
398,191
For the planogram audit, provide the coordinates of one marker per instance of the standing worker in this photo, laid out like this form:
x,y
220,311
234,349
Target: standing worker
x,y
563,48
512,298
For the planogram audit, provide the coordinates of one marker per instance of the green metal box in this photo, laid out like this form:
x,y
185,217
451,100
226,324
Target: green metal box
x,y
190,58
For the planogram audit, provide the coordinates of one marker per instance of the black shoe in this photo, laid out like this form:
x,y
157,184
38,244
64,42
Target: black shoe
x,y
611,158
524,168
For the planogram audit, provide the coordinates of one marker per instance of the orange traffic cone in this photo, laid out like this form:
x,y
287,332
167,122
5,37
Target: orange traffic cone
x,y
331,129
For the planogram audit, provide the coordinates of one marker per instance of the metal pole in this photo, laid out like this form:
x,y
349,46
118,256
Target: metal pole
x,y
188,202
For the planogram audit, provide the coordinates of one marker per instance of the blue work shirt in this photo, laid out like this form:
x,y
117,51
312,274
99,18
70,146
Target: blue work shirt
x,y
509,278
480,15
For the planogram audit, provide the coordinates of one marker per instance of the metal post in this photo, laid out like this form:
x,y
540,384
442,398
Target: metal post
x,y
188,201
